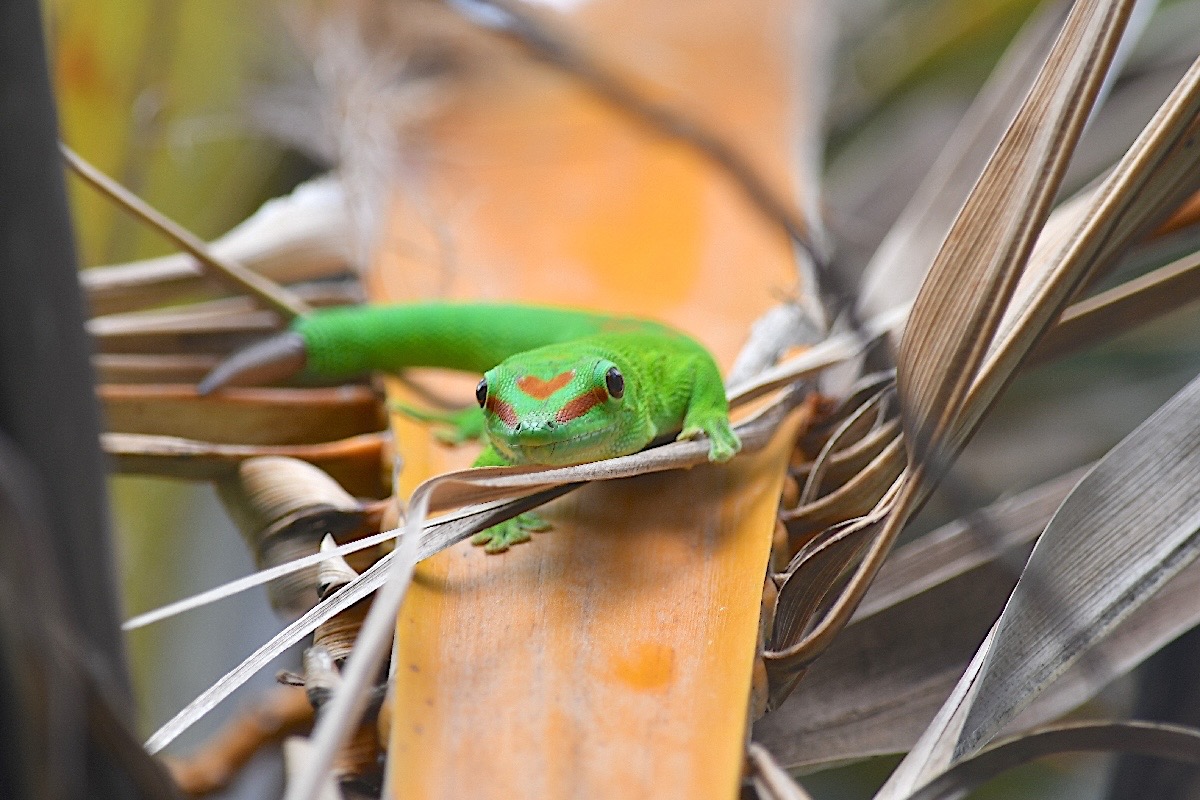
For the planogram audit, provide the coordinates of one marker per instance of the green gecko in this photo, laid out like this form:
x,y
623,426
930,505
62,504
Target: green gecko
x,y
560,387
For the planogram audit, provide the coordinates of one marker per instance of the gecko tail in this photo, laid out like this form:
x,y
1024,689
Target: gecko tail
x,y
265,362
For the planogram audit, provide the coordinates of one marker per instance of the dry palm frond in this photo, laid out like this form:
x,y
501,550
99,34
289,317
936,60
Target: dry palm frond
x,y
1109,547
963,299
303,236
236,274
879,684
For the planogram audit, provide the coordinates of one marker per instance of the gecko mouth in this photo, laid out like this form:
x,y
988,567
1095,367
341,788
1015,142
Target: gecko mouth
x,y
543,452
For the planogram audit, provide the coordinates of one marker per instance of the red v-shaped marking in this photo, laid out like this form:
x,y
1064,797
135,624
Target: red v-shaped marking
x,y
539,389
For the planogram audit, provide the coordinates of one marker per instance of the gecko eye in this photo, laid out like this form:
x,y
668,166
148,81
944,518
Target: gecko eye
x,y
481,393
614,381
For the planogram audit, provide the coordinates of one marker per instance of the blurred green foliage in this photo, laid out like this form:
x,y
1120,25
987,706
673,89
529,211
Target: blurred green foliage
x,y
153,92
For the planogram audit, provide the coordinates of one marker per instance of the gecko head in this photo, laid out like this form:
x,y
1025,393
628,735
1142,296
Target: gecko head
x,y
559,411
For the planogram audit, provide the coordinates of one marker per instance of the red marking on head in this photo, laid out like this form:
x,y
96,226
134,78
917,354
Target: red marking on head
x,y
539,389
581,405
503,410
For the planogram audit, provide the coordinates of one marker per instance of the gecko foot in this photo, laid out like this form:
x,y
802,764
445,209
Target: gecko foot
x,y
723,443
452,427
503,535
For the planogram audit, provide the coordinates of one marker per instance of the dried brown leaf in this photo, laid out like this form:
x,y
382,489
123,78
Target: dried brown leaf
x,y
1129,527
1157,174
880,683
1122,308
894,273
963,299
302,236
1153,739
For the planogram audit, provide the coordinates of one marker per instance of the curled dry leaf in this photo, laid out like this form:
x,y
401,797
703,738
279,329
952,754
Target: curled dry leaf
x,y
283,507
842,465
865,420
880,683
848,420
817,573
964,297
854,498
1130,526
1153,739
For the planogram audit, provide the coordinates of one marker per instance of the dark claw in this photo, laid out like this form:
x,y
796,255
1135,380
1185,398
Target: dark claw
x,y
266,362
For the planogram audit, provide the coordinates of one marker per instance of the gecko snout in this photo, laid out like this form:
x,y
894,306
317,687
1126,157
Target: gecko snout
x,y
536,430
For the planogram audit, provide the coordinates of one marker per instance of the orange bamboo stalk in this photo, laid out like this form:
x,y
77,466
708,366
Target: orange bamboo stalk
x,y
612,656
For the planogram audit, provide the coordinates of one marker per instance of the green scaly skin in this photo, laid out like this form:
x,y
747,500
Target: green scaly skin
x,y
547,393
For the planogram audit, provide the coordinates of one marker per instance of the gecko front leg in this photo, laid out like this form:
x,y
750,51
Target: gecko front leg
x,y
708,415
520,528
450,427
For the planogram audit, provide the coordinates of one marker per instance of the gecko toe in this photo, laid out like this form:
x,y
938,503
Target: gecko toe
x,y
724,444
504,535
